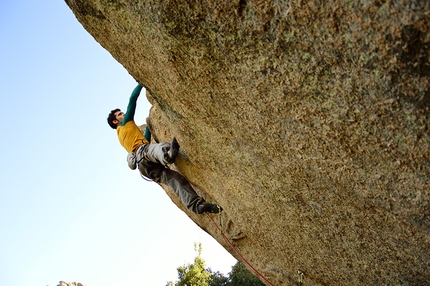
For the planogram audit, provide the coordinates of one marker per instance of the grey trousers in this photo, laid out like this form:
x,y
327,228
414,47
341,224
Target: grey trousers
x,y
149,160
182,188
157,153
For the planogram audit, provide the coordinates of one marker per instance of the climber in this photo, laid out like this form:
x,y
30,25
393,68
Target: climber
x,y
152,159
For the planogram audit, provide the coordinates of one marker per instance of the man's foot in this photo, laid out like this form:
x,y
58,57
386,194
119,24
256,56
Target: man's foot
x,y
174,150
209,208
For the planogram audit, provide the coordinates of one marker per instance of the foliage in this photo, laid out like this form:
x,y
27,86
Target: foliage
x,y
196,275
193,274
240,275
217,279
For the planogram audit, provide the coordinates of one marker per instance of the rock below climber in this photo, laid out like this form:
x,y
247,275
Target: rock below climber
x,y
152,159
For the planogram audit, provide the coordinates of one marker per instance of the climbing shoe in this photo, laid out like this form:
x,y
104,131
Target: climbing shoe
x,y
209,208
174,150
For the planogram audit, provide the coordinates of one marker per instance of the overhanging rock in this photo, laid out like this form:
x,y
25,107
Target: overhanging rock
x,y
308,121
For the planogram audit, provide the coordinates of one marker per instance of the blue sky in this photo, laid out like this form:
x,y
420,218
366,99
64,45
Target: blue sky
x,y
70,208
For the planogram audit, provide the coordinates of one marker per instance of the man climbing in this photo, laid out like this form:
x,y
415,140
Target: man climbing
x,y
152,159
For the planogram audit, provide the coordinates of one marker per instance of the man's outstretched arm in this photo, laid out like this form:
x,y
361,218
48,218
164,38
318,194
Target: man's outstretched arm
x,y
147,134
131,107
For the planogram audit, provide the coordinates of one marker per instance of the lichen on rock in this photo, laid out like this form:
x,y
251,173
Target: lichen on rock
x,y
308,121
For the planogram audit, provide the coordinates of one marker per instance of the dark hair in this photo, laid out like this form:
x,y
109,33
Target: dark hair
x,y
112,117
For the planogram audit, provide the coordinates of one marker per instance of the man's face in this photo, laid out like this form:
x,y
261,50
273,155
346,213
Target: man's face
x,y
119,115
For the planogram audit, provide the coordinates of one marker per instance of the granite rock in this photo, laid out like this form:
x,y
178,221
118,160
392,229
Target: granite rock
x,y
308,121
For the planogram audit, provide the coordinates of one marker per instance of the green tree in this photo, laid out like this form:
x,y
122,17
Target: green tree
x,y
217,278
193,274
240,275
196,275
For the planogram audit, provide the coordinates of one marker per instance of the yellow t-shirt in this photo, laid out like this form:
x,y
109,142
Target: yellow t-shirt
x,y
130,136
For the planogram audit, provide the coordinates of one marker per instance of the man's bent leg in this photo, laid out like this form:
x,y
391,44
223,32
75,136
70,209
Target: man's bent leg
x,y
158,153
182,189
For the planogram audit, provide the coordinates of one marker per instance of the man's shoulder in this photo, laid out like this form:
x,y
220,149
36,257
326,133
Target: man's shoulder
x,y
128,123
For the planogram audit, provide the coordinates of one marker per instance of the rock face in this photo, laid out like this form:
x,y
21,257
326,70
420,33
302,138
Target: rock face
x,y
308,121
62,283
